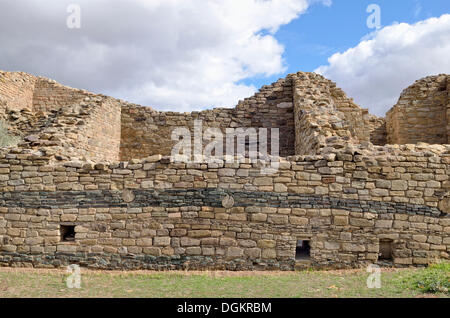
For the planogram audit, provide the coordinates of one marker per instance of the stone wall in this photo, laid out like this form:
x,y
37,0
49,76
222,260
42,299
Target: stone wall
x,y
147,132
346,192
448,109
47,114
51,96
92,122
99,138
16,91
154,214
421,114
326,117
80,136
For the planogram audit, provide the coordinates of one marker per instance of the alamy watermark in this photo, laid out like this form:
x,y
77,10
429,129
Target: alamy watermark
x,y
74,279
74,19
374,19
374,279
240,144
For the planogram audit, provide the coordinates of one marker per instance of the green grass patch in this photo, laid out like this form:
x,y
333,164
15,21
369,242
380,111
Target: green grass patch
x,y
305,284
435,279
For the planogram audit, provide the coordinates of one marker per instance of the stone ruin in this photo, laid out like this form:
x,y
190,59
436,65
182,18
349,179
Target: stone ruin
x,y
91,181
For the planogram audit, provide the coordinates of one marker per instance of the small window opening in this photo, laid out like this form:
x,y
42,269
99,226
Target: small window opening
x,y
67,233
385,250
303,249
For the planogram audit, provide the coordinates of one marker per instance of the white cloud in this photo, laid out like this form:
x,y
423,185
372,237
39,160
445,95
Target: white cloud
x,y
377,70
169,54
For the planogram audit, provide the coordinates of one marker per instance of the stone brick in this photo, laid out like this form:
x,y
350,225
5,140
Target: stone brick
x,y
294,220
399,185
269,254
235,252
161,241
266,243
341,220
383,224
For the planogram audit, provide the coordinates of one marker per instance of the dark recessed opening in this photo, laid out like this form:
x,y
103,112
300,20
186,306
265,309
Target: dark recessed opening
x,y
385,250
67,233
302,251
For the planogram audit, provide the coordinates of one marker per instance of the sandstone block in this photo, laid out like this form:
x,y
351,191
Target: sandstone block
x,y
161,241
294,220
341,220
235,252
266,244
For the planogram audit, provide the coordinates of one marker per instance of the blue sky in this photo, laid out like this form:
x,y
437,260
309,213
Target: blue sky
x,y
324,30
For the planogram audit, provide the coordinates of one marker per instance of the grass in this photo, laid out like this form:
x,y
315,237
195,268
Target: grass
x,y
307,284
434,279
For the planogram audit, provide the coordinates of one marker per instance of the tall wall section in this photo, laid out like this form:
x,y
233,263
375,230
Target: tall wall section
x,y
45,113
146,132
16,91
421,114
326,117
91,123
100,137
147,212
448,109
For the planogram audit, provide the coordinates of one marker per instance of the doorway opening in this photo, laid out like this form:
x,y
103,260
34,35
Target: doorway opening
x,y
303,250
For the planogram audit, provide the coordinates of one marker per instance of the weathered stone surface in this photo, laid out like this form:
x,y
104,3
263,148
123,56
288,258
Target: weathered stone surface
x,y
92,182
228,202
444,205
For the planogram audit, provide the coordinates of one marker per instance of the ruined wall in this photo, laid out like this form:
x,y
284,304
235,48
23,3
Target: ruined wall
x,y
326,117
448,109
377,128
51,96
89,130
147,132
421,114
91,123
99,137
155,214
47,114
16,91
348,197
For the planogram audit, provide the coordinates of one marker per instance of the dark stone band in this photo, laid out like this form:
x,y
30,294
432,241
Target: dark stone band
x,y
202,197
108,261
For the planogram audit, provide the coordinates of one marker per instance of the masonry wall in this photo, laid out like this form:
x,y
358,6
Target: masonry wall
x,y
448,110
344,195
99,138
76,123
89,130
147,132
326,117
16,91
421,114
52,96
154,214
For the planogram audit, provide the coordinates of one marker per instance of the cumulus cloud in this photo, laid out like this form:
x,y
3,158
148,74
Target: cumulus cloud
x,y
169,54
377,70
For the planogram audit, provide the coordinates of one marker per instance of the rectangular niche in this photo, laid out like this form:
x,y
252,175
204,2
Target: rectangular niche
x,y
67,233
385,250
303,250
